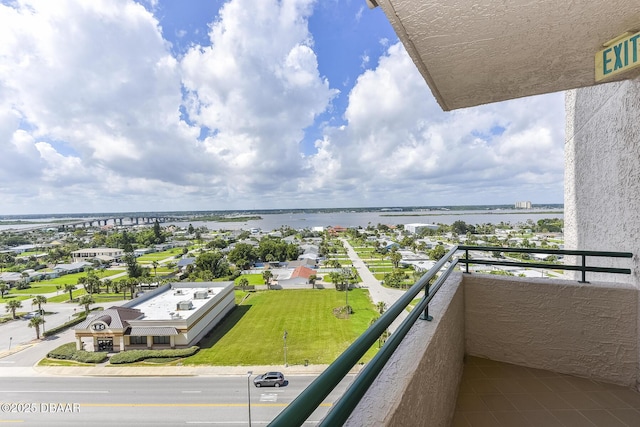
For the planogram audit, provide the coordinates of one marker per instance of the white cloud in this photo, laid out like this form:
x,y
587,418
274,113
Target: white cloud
x,y
258,86
96,114
399,146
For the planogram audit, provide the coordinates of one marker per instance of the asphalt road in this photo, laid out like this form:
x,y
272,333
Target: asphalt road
x,y
145,401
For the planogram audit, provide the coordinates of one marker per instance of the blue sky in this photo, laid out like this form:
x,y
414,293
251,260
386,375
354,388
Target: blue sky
x,y
118,105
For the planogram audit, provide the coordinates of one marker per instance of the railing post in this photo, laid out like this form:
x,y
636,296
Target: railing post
x,y
466,257
584,269
425,313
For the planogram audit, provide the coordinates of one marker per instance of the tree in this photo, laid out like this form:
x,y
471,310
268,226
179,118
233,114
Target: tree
x,y
86,301
91,282
242,255
3,289
155,265
131,284
107,284
157,233
12,306
39,300
381,306
395,258
133,268
35,322
70,288
312,280
395,278
437,252
24,283
336,279
243,282
213,262
267,275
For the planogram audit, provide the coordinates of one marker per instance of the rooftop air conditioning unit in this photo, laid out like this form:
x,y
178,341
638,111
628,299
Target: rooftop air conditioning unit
x,y
200,295
185,305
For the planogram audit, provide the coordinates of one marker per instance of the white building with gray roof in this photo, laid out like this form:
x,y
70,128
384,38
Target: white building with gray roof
x,y
175,315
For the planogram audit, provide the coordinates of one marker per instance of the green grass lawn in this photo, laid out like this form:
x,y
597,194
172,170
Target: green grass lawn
x,y
17,297
254,279
64,296
388,269
158,256
98,298
253,333
72,279
36,288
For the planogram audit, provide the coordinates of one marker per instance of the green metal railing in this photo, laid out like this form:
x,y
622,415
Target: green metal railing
x,y
310,399
583,267
303,406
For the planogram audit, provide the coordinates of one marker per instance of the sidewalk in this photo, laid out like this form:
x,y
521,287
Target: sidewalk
x,y
159,371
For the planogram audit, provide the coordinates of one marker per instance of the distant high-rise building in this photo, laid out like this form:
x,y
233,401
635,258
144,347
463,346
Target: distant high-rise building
x,y
523,205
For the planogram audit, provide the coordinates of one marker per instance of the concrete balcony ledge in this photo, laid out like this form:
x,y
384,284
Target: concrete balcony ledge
x,y
585,330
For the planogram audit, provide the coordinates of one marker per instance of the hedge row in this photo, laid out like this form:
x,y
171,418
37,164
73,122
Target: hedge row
x,y
132,356
68,352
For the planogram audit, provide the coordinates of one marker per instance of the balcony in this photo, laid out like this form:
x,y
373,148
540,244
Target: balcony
x,y
501,394
588,331
572,343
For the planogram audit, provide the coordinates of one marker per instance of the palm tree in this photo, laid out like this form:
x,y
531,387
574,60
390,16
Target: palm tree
x,y
3,288
243,282
39,300
107,284
132,284
267,275
155,265
86,301
35,322
70,288
12,306
312,280
395,258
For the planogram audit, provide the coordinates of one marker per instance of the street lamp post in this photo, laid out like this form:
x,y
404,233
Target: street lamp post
x,y
249,394
285,348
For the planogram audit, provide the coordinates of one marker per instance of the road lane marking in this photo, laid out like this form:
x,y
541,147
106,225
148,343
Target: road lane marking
x,y
240,422
191,391
189,405
57,391
268,397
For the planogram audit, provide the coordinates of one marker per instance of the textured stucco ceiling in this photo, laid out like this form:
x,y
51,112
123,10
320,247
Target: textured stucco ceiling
x,y
474,52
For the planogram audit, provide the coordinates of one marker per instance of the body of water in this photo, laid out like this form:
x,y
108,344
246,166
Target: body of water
x,y
344,219
363,219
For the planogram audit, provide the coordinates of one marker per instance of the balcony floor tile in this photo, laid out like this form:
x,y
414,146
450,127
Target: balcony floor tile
x,y
504,395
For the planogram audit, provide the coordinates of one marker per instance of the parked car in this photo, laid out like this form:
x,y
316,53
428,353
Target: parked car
x,y
275,379
31,315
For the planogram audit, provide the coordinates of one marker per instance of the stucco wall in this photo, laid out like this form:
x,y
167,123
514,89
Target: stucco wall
x,y
602,172
587,330
424,372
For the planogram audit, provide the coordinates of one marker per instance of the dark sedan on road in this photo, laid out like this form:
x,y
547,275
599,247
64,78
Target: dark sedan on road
x,y
275,379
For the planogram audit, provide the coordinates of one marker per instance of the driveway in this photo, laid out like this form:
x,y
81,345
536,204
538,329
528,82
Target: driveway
x,y
377,292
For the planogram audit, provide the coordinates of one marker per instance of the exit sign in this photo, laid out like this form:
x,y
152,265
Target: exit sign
x,y
619,55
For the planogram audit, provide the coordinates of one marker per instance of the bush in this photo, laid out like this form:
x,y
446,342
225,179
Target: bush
x,y
132,356
68,352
